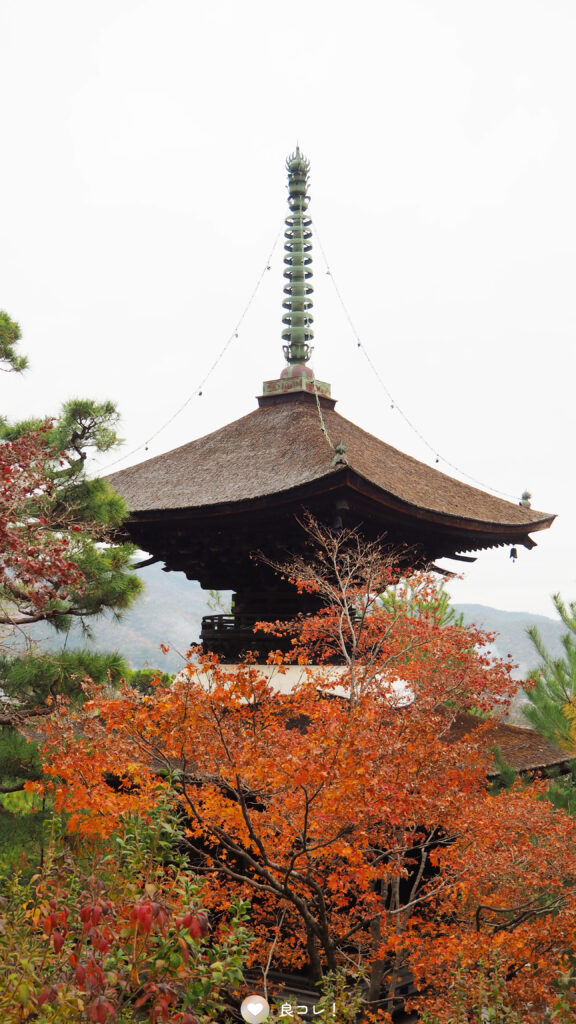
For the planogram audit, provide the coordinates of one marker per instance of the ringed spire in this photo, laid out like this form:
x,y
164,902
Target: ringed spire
x,y
298,290
297,334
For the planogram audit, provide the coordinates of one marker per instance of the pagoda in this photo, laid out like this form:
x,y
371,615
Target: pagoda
x,y
224,506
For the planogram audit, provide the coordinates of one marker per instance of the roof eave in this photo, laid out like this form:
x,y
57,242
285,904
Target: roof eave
x,y
490,534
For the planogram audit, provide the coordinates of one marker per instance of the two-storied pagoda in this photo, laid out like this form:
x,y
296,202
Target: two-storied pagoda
x,y
208,508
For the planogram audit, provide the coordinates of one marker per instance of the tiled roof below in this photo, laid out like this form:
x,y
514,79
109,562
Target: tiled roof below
x,y
523,749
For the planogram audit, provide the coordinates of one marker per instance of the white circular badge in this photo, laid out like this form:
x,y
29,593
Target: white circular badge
x,y
254,1009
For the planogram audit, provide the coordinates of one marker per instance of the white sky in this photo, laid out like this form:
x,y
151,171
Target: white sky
x,y
142,182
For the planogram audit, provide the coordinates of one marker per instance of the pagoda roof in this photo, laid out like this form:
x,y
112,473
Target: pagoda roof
x,y
281,450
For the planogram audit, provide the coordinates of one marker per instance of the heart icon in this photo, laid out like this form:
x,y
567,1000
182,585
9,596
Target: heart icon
x,y
254,1009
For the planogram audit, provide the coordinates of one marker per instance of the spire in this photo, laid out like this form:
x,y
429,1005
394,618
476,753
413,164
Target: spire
x,y
297,319
298,264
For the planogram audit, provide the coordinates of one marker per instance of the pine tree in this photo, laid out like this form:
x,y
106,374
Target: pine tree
x,y
36,676
32,682
552,698
59,556
552,703
10,334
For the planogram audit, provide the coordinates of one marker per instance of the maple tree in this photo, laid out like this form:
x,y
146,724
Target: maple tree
x,y
353,810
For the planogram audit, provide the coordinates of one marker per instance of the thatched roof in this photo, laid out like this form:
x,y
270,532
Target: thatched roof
x,y
280,447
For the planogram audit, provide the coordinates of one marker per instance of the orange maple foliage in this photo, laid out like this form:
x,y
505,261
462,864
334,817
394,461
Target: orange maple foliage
x,y
351,811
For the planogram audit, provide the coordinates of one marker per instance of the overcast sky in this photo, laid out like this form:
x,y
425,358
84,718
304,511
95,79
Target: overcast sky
x,y
143,187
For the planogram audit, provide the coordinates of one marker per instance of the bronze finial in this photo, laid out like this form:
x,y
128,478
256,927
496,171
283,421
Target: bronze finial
x,y
298,318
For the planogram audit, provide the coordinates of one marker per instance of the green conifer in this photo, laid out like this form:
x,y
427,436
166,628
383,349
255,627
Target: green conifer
x,y
551,707
10,360
61,560
553,693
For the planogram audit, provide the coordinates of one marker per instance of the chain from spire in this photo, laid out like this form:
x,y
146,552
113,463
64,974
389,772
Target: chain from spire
x,y
298,318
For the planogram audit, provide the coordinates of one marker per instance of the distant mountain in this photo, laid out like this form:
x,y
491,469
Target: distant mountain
x,y
172,607
512,637
511,629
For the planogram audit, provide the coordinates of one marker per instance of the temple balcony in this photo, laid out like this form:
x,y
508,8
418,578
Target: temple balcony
x,y
231,635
